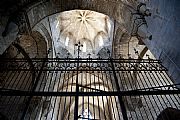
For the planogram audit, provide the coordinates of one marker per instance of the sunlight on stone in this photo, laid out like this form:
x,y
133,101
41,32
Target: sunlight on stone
x,y
90,28
57,25
67,41
83,23
101,43
84,47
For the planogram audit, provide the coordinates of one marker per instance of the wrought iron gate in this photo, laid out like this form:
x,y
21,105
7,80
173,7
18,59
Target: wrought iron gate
x,y
94,89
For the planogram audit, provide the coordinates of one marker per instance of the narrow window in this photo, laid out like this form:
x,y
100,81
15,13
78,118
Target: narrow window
x,y
57,24
101,43
84,47
66,41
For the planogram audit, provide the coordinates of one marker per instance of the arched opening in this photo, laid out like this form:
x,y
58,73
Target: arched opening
x,y
85,59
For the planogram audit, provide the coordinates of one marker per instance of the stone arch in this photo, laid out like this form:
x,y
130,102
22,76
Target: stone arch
x,y
34,44
71,38
100,81
21,42
120,42
26,47
89,44
70,45
121,16
45,33
105,39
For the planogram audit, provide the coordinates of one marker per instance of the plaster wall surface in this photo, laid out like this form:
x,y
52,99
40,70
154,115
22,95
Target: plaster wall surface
x,y
164,24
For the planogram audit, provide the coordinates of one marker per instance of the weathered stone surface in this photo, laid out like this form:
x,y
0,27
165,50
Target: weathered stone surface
x,y
164,26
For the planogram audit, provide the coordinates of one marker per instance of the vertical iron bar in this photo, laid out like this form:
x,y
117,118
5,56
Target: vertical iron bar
x,y
13,87
113,87
110,98
96,98
55,97
122,105
150,80
82,90
67,83
33,89
145,84
155,81
49,89
135,75
70,96
60,91
167,81
9,77
77,85
76,99
44,87
18,99
93,96
102,80
126,84
144,97
131,85
40,85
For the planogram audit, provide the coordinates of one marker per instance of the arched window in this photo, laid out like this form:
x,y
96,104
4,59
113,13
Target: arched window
x,y
84,47
101,43
66,41
57,25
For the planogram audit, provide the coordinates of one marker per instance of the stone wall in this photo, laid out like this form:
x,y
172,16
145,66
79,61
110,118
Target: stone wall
x,y
164,24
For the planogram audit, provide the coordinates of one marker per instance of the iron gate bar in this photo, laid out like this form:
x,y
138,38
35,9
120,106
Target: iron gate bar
x,y
123,93
73,70
82,60
91,88
161,84
33,89
121,65
77,82
122,105
28,59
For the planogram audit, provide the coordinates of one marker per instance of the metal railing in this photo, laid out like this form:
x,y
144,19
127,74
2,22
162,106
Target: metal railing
x,y
95,89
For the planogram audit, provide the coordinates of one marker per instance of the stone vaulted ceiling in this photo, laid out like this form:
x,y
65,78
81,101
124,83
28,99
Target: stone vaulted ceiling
x,y
91,29
83,24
